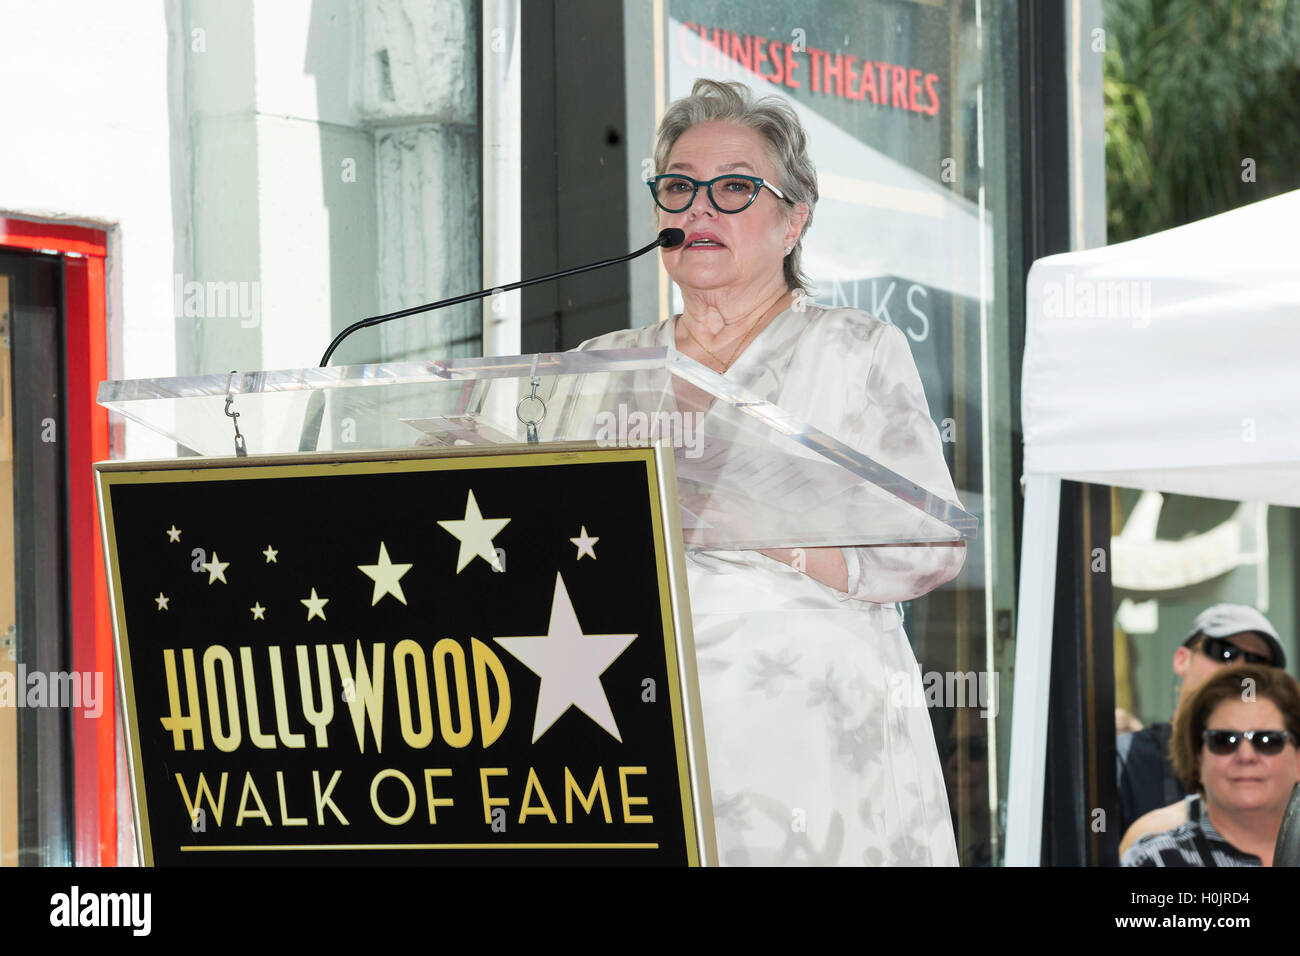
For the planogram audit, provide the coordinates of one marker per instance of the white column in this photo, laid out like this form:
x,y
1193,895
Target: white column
x,y
419,95
502,175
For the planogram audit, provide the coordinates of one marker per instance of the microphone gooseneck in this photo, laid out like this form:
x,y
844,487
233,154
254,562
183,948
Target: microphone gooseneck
x,y
667,239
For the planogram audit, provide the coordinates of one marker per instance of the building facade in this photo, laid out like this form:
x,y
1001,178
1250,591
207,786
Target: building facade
x,y
232,183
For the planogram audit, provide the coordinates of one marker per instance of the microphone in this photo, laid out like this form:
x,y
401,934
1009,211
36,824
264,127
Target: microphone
x,y
667,238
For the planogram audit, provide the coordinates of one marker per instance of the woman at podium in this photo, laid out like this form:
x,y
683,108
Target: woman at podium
x,y
818,750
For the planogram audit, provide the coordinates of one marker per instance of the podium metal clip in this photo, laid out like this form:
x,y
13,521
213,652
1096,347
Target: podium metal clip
x,y
531,423
241,450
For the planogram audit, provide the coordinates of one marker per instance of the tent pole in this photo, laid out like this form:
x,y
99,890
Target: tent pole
x,y
1042,513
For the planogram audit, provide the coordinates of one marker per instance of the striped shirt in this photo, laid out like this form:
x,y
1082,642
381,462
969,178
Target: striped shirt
x,y
1187,844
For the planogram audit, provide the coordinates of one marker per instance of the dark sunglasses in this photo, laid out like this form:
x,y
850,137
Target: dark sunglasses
x,y
1221,649
1266,742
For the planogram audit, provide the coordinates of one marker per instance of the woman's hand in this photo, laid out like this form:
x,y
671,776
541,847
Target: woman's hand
x,y
885,573
821,564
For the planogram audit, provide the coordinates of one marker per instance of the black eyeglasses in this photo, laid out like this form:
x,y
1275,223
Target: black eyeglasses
x,y
1266,742
675,193
1221,649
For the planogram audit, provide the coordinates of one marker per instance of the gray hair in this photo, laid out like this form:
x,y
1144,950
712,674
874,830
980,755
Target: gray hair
x,y
775,121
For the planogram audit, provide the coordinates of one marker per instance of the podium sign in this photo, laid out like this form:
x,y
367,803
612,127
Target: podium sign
x,y
468,656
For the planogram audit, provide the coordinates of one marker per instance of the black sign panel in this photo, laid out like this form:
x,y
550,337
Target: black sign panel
x,y
465,659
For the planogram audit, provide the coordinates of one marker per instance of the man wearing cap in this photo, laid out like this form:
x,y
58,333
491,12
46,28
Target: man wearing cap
x,y
1221,636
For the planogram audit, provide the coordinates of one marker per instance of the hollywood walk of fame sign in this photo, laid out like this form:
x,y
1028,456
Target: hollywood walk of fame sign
x,y
452,657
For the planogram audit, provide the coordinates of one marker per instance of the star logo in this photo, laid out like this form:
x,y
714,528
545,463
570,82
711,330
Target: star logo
x,y
569,664
259,612
585,544
386,575
270,553
161,600
315,605
173,534
216,569
475,534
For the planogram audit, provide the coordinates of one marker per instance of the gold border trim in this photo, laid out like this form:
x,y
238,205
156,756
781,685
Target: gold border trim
x,y
280,847
125,681
675,595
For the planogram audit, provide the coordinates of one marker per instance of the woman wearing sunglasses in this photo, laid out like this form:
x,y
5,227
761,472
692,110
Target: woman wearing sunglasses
x,y
1234,746
1150,793
820,747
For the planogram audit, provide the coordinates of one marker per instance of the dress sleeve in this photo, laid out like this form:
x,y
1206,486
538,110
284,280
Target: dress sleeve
x,y
888,419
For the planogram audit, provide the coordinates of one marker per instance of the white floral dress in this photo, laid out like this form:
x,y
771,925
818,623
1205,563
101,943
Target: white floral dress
x,y
820,749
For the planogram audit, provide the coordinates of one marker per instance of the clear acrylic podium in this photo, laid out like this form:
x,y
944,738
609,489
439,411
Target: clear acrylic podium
x,y
749,475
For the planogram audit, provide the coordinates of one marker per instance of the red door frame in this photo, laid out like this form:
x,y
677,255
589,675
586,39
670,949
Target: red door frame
x,y
85,335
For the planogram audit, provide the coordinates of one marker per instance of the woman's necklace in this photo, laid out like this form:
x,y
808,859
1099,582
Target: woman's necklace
x,y
734,352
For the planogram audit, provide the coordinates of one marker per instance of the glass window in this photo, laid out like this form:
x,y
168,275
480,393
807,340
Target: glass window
x,y
8,604
35,646
1176,555
911,111
328,168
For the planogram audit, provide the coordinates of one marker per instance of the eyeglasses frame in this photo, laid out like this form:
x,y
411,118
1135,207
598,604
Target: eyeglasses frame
x,y
758,181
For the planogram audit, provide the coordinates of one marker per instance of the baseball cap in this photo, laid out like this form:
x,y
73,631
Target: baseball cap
x,y
1224,620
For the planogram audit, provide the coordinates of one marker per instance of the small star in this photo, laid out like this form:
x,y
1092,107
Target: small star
x,y
386,575
270,553
259,612
216,569
161,600
174,533
475,534
585,544
315,605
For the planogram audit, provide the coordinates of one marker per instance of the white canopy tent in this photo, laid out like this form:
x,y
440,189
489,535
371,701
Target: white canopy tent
x,y
1170,363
